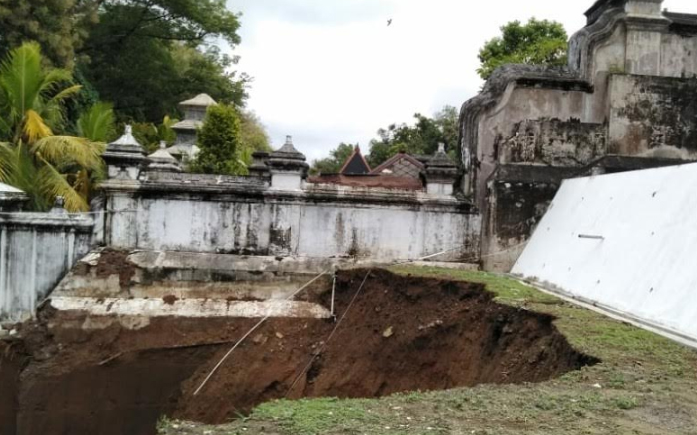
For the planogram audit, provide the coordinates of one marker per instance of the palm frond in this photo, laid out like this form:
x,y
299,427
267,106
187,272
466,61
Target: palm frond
x,y
54,78
54,184
34,127
53,110
97,123
20,171
53,114
5,128
83,183
65,150
6,161
68,92
21,78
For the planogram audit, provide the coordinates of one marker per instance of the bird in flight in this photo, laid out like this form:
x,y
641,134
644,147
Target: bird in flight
x,y
389,22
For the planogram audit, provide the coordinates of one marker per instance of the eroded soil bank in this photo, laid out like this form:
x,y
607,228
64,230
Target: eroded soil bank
x,y
75,374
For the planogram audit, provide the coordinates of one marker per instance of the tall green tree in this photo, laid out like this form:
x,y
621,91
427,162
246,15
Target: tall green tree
x,y
219,140
539,42
59,26
146,56
142,55
191,21
253,136
422,138
34,155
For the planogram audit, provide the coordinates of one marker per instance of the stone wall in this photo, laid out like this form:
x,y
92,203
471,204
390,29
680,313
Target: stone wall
x,y
36,250
627,93
653,116
245,215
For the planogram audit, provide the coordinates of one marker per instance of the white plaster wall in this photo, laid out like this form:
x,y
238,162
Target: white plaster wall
x,y
645,267
650,8
313,229
643,52
610,54
381,233
678,56
36,250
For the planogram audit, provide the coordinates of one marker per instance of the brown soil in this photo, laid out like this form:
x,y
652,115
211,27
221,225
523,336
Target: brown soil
x,y
12,361
170,299
401,334
114,262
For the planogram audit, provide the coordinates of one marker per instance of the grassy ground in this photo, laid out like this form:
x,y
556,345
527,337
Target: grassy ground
x,y
645,385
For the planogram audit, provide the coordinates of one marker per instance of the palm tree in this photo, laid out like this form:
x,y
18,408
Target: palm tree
x,y
32,157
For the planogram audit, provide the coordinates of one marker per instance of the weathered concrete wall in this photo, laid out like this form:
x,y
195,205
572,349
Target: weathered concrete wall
x,y
653,116
244,216
36,250
552,142
518,197
628,92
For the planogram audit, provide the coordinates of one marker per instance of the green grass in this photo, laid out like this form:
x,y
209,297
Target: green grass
x,y
506,290
308,417
645,384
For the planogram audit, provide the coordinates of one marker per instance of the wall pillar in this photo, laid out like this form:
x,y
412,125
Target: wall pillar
x,y
124,157
441,173
288,167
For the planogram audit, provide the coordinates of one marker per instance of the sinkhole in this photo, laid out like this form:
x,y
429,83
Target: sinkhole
x,y
401,334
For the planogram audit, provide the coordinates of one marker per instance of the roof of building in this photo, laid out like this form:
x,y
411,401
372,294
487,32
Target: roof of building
x,y
180,149
396,159
203,100
162,160
188,124
10,195
355,164
369,181
600,6
6,188
682,23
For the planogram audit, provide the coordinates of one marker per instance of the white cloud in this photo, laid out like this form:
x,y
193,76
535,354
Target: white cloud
x,y
333,71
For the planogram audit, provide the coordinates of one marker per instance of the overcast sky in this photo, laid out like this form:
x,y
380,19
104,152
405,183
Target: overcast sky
x,y
331,71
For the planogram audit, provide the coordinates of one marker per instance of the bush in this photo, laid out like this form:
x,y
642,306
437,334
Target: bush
x,y
218,140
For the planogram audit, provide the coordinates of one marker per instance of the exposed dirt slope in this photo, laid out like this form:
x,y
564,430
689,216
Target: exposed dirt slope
x,y
401,334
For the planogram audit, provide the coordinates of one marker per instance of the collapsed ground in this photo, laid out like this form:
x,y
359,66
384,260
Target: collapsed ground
x,y
645,384
72,373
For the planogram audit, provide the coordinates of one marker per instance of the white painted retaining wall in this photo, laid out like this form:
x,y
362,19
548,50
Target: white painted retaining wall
x,y
36,251
317,221
645,268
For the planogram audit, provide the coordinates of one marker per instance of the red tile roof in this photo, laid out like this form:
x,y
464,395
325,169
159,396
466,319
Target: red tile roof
x,y
369,181
396,158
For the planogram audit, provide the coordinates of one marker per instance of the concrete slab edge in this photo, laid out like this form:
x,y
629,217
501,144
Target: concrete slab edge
x,y
608,311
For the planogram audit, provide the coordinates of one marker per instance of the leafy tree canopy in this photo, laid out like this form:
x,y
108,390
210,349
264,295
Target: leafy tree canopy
x,y
539,42
422,138
219,140
59,26
190,21
146,57
64,28
253,136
